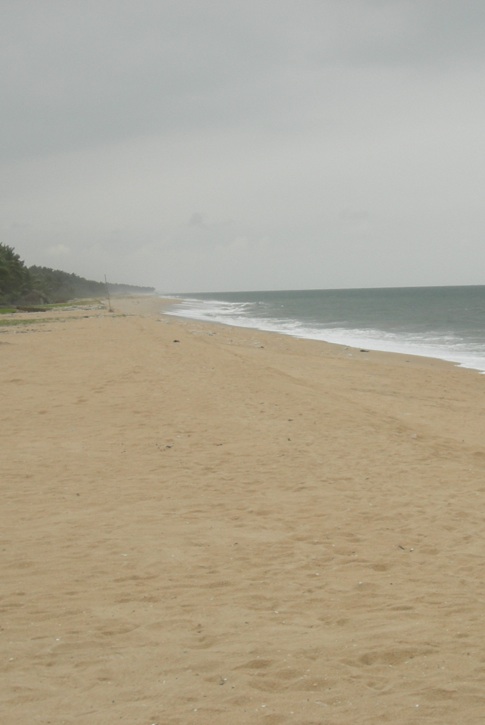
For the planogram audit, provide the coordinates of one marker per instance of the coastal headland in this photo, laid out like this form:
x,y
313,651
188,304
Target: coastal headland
x,y
206,524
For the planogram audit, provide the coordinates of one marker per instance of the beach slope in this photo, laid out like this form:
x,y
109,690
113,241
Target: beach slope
x,y
203,524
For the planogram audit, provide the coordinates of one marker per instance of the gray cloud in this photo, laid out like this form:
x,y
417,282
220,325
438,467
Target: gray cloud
x,y
232,144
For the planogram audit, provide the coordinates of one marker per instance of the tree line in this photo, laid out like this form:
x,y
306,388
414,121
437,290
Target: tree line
x,y
22,285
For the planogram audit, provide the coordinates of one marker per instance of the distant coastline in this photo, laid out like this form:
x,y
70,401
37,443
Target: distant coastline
x,y
23,285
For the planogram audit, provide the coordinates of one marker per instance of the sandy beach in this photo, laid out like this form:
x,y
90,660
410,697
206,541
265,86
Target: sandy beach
x,y
207,525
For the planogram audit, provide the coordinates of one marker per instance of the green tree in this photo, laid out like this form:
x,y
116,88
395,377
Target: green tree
x,y
15,280
20,285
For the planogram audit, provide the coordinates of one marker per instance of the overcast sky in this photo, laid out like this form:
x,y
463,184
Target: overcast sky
x,y
212,145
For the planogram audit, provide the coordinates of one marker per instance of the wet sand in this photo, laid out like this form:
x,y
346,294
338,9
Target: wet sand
x,y
204,524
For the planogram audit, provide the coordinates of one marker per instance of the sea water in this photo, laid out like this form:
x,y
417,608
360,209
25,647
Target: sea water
x,y
439,322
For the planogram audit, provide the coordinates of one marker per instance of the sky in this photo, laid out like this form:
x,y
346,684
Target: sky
x,y
222,145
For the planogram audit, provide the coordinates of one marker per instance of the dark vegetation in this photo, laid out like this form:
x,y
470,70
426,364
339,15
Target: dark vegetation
x,y
25,286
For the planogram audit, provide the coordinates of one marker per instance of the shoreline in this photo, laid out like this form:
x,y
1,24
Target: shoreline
x,y
410,358
202,521
401,346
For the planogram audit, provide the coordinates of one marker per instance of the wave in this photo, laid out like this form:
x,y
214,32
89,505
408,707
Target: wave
x,y
257,314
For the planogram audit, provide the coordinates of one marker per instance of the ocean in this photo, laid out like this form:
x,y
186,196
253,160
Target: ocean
x,y
439,322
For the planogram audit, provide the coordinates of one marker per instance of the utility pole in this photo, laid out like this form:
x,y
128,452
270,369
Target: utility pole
x,y
107,293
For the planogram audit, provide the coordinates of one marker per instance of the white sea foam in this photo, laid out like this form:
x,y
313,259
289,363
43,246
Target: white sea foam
x,y
440,345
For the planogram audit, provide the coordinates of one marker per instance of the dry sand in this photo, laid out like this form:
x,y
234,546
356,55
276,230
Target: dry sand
x,y
236,527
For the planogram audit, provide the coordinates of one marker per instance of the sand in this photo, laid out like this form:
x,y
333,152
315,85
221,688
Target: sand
x,y
203,524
